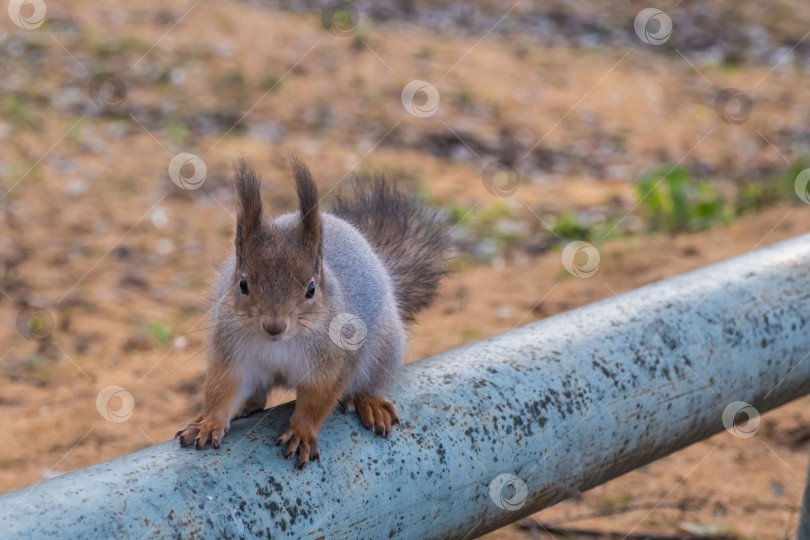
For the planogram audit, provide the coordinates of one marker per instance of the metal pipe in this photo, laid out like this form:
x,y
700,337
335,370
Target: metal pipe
x,y
490,432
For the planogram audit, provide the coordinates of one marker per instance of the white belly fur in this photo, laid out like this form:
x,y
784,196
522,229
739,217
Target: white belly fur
x,y
261,364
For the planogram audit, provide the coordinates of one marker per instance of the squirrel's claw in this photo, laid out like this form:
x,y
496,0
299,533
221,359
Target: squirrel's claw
x,y
292,447
376,414
284,438
308,452
305,444
200,432
184,442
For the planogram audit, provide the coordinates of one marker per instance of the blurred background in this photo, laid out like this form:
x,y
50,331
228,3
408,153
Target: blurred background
x,y
666,135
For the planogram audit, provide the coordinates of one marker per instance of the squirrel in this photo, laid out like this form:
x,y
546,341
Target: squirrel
x,y
319,302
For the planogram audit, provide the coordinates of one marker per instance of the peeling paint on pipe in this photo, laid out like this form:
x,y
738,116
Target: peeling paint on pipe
x,y
558,406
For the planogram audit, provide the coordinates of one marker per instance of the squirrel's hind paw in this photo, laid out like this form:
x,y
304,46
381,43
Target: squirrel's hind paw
x,y
376,414
202,430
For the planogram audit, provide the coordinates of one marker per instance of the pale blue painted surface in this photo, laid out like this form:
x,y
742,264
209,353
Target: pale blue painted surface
x,y
564,404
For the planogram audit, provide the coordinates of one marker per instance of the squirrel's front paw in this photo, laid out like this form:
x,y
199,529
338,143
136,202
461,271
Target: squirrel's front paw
x,y
202,430
302,439
375,413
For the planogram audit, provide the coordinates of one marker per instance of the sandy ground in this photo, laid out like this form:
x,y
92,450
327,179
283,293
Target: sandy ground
x,y
93,231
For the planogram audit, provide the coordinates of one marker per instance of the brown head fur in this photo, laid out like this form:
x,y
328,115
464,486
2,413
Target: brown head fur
x,y
278,259
249,211
308,202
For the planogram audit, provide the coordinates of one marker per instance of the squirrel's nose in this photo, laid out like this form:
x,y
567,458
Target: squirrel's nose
x,y
275,328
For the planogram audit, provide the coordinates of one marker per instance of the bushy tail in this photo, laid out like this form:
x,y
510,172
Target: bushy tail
x,y
410,237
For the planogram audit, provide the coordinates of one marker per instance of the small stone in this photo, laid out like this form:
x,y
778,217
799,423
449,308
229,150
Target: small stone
x,y
505,313
159,218
164,246
77,187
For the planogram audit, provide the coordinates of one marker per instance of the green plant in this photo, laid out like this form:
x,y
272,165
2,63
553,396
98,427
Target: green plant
x,y
360,37
15,108
784,185
470,332
708,208
619,501
752,198
568,227
425,53
463,99
134,44
160,334
176,132
676,202
269,81
234,77
341,19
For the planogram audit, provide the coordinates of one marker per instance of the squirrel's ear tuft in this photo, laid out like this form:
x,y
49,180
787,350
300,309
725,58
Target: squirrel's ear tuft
x,y
308,200
249,211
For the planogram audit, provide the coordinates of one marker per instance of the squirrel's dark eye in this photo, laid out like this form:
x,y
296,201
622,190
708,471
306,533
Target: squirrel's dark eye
x,y
311,290
243,285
